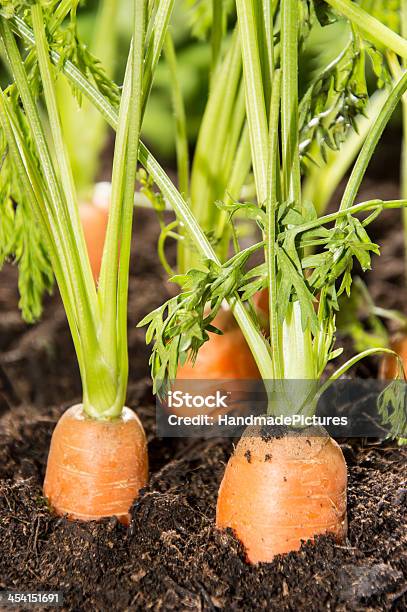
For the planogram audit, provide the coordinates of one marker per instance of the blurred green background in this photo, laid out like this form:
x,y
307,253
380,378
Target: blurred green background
x,y
190,29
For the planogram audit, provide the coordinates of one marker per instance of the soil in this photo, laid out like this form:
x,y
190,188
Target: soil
x,y
172,557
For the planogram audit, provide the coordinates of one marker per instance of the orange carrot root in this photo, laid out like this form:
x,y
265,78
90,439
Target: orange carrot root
x,y
94,222
223,357
261,303
278,491
96,468
389,366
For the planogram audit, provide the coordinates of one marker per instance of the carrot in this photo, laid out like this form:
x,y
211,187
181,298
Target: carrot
x,y
261,302
280,490
94,222
98,456
223,357
261,305
96,468
94,217
389,366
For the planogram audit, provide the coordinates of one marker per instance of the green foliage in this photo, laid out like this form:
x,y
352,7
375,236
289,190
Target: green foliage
x,y
392,408
70,47
20,236
180,326
10,8
21,240
334,99
63,38
45,193
386,11
339,94
35,270
200,15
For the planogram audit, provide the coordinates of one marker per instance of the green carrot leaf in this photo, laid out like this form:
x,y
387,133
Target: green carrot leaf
x,y
392,408
22,241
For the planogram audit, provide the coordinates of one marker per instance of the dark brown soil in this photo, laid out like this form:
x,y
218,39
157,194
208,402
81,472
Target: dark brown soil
x,y
172,557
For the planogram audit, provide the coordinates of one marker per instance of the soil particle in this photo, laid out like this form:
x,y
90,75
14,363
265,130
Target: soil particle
x,y
361,583
273,432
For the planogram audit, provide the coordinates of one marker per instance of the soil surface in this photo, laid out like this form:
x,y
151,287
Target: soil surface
x,y
172,557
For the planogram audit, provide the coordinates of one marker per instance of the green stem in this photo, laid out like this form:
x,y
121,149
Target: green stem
x,y
180,118
268,14
216,145
234,133
354,360
255,102
297,349
99,385
272,203
235,168
253,337
110,261
352,210
217,33
370,26
58,212
132,138
371,142
263,42
206,182
85,131
238,174
289,64
31,186
61,11
48,81
155,46
99,390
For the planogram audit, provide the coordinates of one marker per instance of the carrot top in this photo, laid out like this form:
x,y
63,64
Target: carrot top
x,y
307,258
36,174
